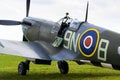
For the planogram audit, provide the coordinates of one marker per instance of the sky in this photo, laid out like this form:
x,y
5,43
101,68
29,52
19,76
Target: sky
x,y
103,13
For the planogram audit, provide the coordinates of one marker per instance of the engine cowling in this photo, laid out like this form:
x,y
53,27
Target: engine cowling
x,y
40,30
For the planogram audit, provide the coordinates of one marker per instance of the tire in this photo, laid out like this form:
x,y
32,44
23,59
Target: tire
x,y
22,70
63,67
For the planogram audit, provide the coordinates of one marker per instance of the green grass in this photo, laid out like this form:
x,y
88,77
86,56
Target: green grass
x,y
9,64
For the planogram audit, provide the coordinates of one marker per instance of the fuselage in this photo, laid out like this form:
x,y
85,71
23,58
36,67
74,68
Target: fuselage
x,y
88,41
94,43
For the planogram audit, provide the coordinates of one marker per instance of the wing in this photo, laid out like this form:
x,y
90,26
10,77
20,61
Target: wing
x,y
35,50
24,49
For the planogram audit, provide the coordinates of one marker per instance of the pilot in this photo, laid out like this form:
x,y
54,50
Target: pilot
x,y
66,18
64,25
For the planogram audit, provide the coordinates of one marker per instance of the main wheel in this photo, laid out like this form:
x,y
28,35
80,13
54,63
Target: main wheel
x,y
63,67
22,68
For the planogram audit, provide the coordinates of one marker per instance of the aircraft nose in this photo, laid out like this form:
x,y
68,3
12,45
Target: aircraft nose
x,y
48,31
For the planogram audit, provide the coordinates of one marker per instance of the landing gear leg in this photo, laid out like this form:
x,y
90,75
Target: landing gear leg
x,y
63,67
23,67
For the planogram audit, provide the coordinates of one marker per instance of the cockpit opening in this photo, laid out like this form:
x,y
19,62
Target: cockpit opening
x,y
66,23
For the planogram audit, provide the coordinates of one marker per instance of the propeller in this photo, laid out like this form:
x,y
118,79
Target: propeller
x,y
27,7
13,22
9,22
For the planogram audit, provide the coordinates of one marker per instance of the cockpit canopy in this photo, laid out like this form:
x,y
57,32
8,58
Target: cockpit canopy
x,y
73,24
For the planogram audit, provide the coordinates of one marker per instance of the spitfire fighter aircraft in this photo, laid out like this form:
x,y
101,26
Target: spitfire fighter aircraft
x,y
68,39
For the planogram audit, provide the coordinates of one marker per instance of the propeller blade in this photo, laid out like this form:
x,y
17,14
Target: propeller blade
x,y
27,7
9,22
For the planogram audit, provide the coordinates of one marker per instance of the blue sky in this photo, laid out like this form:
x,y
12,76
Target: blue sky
x,y
104,13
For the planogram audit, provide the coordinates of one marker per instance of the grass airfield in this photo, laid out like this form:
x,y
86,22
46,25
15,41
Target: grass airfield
x,y
9,64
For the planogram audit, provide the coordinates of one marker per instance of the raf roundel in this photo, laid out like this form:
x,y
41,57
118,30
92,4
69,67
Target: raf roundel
x,y
88,42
